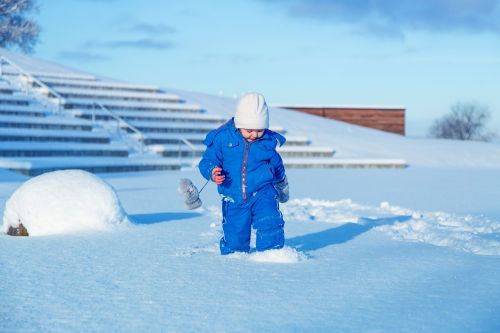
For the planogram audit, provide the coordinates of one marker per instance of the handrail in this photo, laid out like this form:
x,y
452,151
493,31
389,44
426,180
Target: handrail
x,y
121,121
190,145
60,99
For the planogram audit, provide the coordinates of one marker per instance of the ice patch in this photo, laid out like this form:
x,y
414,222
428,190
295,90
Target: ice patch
x,y
285,255
63,202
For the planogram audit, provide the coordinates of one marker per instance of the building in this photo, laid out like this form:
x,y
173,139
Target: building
x,y
389,119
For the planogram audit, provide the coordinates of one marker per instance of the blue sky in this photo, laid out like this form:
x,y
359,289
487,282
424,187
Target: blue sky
x,y
425,55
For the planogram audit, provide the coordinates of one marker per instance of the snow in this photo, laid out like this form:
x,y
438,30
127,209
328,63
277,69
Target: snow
x,y
475,234
286,255
367,250
340,271
63,202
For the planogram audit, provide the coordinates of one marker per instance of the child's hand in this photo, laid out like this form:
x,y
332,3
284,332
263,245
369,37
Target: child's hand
x,y
217,175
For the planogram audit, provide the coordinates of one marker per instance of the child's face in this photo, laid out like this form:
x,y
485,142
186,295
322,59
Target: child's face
x,y
251,134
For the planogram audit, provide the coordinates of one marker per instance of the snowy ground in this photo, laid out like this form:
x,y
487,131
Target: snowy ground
x,y
414,250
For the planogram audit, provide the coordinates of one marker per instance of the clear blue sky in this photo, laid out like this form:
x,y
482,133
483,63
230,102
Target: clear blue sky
x,y
425,55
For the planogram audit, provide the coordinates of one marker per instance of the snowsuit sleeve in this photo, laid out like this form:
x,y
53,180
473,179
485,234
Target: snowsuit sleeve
x,y
279,168
276,161
212,157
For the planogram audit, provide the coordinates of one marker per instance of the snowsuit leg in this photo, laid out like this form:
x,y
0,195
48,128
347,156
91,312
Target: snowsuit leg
x,y
236,224
262,212
268,221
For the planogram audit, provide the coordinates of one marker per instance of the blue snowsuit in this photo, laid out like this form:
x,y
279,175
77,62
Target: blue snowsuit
x,y
249,197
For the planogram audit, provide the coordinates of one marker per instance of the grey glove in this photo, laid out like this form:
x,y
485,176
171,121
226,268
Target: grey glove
x,y
190,193
283,190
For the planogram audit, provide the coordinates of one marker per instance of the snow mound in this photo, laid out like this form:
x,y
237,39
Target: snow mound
x,y
63,202
473,234
285,255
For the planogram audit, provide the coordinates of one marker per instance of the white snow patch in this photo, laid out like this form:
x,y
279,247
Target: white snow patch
x,y
285,255
64,202
473,234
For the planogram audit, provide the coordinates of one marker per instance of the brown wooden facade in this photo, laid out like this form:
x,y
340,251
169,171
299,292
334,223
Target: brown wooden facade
x,y
389,119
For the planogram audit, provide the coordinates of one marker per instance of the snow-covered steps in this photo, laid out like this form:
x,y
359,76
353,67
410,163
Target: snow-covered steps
x,y
36,149
90,103
40,135
5,88
196,150
22,110
180,127
115,94
173,127
94,84
297,141
52,122
155,116
6,99
62,75
38,165
196,138
345,163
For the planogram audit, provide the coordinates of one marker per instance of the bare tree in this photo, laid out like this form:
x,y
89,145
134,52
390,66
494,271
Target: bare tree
x,y
466,121
16,28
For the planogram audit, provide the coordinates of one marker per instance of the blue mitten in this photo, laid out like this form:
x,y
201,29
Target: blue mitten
x,y
283,190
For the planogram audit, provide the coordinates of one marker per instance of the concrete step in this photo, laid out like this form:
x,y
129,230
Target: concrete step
x,y
6,88
41,135
328,162
38,165
22,110
7,99
38,149
151,116
116,94
184,128
89,103
94,84
194,138
172,150
52,122
345,163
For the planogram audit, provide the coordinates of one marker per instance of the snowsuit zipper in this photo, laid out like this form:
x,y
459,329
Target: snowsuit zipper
x,y
246,151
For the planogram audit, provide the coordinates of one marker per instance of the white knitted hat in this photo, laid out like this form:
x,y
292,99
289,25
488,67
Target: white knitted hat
x,y
251,112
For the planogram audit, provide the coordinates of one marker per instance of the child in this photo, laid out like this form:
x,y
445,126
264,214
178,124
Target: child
x,y
241,158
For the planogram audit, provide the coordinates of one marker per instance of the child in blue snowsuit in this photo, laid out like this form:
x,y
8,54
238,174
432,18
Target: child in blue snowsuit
x,y
241,158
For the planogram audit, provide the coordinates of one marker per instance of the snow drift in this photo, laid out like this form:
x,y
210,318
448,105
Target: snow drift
x,y
63,202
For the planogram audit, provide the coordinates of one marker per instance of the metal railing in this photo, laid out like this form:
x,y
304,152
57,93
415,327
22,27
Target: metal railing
x,y
33,81
190,146
120,123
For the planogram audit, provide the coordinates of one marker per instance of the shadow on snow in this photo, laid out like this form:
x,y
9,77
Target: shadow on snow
x,y
341,234
161,217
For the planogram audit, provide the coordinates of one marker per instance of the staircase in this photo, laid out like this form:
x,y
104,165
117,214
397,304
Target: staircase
x,y
62,119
